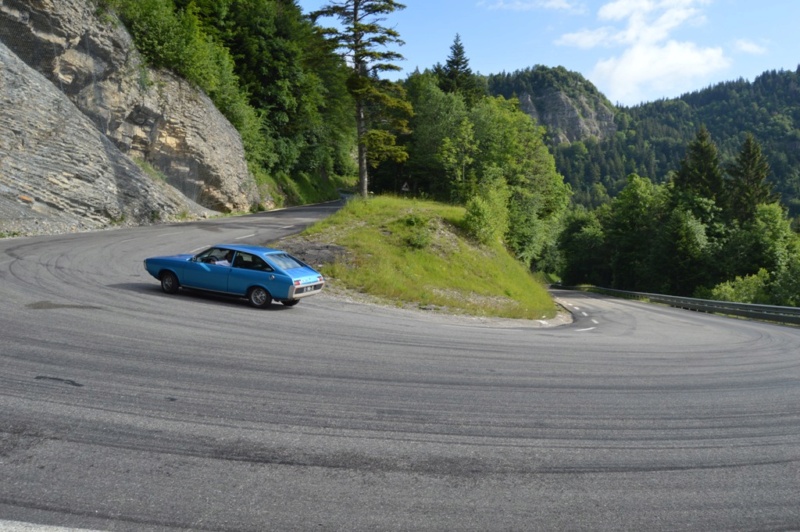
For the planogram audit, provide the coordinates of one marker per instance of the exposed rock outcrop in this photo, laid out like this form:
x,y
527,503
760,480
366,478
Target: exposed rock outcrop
x,y
569,119
563,101
58,173
146,114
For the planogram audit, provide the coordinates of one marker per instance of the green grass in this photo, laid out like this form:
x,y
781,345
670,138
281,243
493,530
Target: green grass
x,y
414,253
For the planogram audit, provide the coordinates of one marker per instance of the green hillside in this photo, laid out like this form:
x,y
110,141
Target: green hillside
x,y
650,139
418,254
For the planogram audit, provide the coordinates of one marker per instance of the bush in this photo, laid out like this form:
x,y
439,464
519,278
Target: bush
x,y
487,212
747,289
786,285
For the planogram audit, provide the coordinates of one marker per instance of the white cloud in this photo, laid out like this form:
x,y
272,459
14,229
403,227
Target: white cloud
x,y
650,58
648,20
671,67
530,5
587,39
749,47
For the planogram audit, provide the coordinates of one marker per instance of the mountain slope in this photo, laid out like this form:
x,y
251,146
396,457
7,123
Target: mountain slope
x,y
596,145
570,106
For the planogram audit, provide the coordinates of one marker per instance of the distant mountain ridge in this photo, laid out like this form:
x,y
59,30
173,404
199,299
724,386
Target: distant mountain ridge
x,y
597,145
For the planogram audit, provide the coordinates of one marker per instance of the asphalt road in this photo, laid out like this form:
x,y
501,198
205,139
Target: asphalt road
x,y
123,408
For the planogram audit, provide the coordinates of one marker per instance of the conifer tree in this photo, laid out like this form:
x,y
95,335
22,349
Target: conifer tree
x,y
456,76
700,173
365,44
749,186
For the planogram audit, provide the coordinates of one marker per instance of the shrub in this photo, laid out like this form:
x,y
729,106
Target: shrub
x,y
419,236
487,212
747,289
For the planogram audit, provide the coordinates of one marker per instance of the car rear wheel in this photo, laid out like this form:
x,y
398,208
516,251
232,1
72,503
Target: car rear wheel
x,y
291,302
259,297
169,283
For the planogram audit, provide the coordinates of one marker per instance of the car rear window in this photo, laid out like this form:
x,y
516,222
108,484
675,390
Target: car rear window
x,y
285,262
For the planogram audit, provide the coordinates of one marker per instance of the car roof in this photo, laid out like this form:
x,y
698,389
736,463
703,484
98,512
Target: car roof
x,y
247,248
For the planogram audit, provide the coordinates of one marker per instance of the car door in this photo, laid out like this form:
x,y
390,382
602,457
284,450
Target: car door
x,y
208,275
249,270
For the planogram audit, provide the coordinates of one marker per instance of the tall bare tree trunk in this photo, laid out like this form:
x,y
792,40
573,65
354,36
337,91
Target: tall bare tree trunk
x,y
361,127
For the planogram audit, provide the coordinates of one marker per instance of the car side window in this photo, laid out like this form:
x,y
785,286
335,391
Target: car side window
x,y
247,261
243,260
214,255
261,265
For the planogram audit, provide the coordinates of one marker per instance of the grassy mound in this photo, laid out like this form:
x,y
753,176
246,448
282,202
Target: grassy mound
x,y
415,253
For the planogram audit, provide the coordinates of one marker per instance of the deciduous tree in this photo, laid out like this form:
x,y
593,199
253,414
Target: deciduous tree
x,y
437,116
632,225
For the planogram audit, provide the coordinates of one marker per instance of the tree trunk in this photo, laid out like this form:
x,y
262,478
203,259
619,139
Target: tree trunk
x,y
361,126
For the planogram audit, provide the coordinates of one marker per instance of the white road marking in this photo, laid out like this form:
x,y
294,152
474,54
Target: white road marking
x,y
584,314
245,236
595,322
584,330
21,526
287,226
198,249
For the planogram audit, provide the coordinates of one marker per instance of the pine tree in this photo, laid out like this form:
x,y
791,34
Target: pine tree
x,y
364,42
748,186
700,173
456,76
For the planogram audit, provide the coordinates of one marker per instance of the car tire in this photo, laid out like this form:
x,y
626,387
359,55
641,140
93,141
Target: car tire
x,y
259,297
291,302
169,283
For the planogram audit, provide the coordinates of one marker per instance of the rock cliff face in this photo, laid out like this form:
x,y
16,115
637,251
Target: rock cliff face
x,y
58,173
144,114
569,119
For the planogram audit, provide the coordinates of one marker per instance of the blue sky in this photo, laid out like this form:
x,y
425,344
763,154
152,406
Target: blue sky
x,y
634,51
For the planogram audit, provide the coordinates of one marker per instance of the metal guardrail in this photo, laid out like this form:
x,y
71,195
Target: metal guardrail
x,y
790,315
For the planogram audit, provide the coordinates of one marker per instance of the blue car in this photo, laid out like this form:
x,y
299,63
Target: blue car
x,y
257,273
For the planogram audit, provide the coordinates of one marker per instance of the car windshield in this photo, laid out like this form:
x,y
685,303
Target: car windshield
x,y
285,262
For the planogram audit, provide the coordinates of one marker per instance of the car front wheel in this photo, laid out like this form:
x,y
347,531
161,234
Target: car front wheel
x,y
169,283
259,297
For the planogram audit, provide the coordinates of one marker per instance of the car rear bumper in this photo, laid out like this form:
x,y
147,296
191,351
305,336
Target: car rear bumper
x,y
298,292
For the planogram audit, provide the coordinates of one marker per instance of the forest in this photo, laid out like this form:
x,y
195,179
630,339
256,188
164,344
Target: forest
x,y
657,206
651,138
712,232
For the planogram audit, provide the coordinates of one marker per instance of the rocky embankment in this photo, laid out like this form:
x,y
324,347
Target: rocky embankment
x,y
80,116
